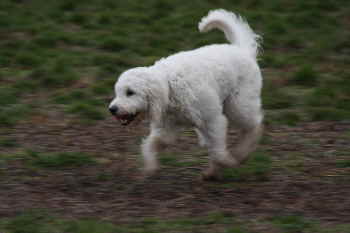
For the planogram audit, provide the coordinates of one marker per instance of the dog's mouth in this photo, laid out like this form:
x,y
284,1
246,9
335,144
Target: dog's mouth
x,y
126,119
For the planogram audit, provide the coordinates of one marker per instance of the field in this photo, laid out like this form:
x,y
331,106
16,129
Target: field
x,y
67,166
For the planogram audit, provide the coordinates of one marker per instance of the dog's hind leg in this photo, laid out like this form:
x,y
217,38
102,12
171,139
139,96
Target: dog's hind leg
x,y
214,134
246,115
247,142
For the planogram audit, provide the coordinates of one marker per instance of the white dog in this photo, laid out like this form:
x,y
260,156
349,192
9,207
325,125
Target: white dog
x,y
203,89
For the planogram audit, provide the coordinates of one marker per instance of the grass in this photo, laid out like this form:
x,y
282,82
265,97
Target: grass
x,y
42,221
343,163
300,224
274,97
58,160
104,176
83,104
6,157
292,223
330,100
67,56
339,228
284,117
305,76
11,114
8,96
38,221
59,74
86,111
8,142
54,48
328,113
257,168
333,94
113,44
172,160
290,118
293,162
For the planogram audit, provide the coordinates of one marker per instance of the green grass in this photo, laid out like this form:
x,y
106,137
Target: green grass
x,y
284,117
113,44
293,162
86,111
8,96
328,113
343,163
290,118
292,223
48,160
27,59
56,47
276,98
257,168
333,93
300,224
68,54
331,99
10,115
8,142
83,103
306,76
58,160
42,221
38,221
6,157
59,74
173,160
346,135
104,176
11,109
342,228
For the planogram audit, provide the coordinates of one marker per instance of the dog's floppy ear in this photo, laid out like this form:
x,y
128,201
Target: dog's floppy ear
x,y
158,99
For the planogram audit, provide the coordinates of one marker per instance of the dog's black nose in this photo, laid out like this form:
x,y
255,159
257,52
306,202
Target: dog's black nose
x,y
113,110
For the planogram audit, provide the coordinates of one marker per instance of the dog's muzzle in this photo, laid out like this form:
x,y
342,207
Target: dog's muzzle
x,y
124,119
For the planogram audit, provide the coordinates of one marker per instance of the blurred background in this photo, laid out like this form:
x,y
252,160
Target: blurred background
x,y
61,154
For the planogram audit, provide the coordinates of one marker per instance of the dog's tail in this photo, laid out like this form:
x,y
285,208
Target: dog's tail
x,y
236,29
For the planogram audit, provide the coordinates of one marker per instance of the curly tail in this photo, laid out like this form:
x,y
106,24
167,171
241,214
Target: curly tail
x,y
236,29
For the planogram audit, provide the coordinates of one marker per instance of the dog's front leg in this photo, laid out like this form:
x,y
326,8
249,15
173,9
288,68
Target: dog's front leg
x,y
150,148
157,140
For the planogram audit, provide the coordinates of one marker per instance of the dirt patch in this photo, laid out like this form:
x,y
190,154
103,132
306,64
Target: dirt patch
x,y
304,179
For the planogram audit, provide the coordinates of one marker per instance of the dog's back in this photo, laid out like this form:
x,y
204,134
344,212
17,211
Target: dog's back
x,y
216,66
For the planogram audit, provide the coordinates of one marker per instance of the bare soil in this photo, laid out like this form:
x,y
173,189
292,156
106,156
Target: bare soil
x,y
304,179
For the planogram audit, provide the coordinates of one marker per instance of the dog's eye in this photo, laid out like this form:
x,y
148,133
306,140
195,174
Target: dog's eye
x,y
130,92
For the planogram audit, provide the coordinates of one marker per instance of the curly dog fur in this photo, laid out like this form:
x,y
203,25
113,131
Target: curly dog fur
x,y
205,88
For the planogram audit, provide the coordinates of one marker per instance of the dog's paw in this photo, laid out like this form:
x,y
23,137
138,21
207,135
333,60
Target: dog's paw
x,y
150,172
211,175
227,161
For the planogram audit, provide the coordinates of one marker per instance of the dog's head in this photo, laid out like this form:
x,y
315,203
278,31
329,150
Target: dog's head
x,y
138,92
